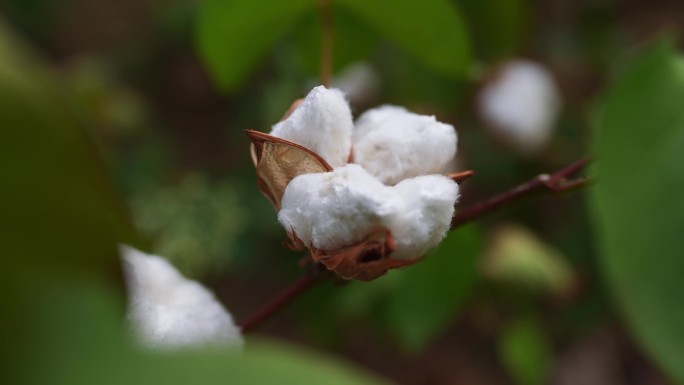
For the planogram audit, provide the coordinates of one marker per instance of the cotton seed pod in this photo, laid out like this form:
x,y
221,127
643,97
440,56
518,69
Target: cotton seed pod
x,y
354,219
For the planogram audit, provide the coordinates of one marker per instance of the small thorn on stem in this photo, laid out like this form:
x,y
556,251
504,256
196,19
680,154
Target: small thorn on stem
x,y
459,177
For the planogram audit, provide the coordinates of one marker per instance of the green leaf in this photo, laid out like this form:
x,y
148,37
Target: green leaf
x,y
427,295
637,201
233,35
74,336
59,208
432,30
525,352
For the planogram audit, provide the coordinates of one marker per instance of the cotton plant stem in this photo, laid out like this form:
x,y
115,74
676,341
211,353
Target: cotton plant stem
x,y
558,182
327,41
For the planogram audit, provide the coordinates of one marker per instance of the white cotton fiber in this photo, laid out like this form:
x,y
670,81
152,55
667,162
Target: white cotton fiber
x,y
522,105
394,144
337,209
322,123
169,311
428,206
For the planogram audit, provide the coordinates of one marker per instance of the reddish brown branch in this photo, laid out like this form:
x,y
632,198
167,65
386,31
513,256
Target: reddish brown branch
x,y
282,299
557,183
327,41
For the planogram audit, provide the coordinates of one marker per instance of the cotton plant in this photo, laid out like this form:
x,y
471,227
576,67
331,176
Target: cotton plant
x,y
168,311
363,196
520,104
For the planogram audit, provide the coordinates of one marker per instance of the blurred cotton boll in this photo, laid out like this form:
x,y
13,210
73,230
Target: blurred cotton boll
x,y
521,104
168,311
360,82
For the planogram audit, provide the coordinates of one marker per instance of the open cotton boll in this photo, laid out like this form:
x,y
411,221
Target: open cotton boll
x,y
428,206
335,209
332,210
322,123
394,144
522,104
169,311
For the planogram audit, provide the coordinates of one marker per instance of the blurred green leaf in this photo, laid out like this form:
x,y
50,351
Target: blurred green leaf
x,y
420,301
428,294
525,351
637,202
516,256
60,210
234,34
76,338
432,30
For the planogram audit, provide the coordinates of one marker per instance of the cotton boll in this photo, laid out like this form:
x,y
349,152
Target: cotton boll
x,y
340,208
394,144
335,209
427,208
322,123
169,311
522,105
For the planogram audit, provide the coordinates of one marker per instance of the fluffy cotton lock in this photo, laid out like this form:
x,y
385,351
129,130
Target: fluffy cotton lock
x,y
335,209
339,208
425,217
322,123
521,104
394,144
169,311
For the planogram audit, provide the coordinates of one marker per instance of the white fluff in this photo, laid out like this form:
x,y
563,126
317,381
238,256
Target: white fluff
x,y
169,311
428,206
322,123
336,209
394,144
522,104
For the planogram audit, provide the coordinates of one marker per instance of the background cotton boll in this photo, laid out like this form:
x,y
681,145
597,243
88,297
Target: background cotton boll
x,y
394,144
521,105
360,82
427,208
335,209
322,123
169,311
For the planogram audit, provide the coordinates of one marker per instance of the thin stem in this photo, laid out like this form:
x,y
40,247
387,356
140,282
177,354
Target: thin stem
x,y
282,299
327,41
557,183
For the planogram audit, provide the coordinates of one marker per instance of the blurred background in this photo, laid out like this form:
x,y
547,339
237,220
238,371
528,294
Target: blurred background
x,y
161,92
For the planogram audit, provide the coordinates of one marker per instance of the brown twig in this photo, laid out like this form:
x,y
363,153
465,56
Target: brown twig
x,y
327,41
282,299
557,183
